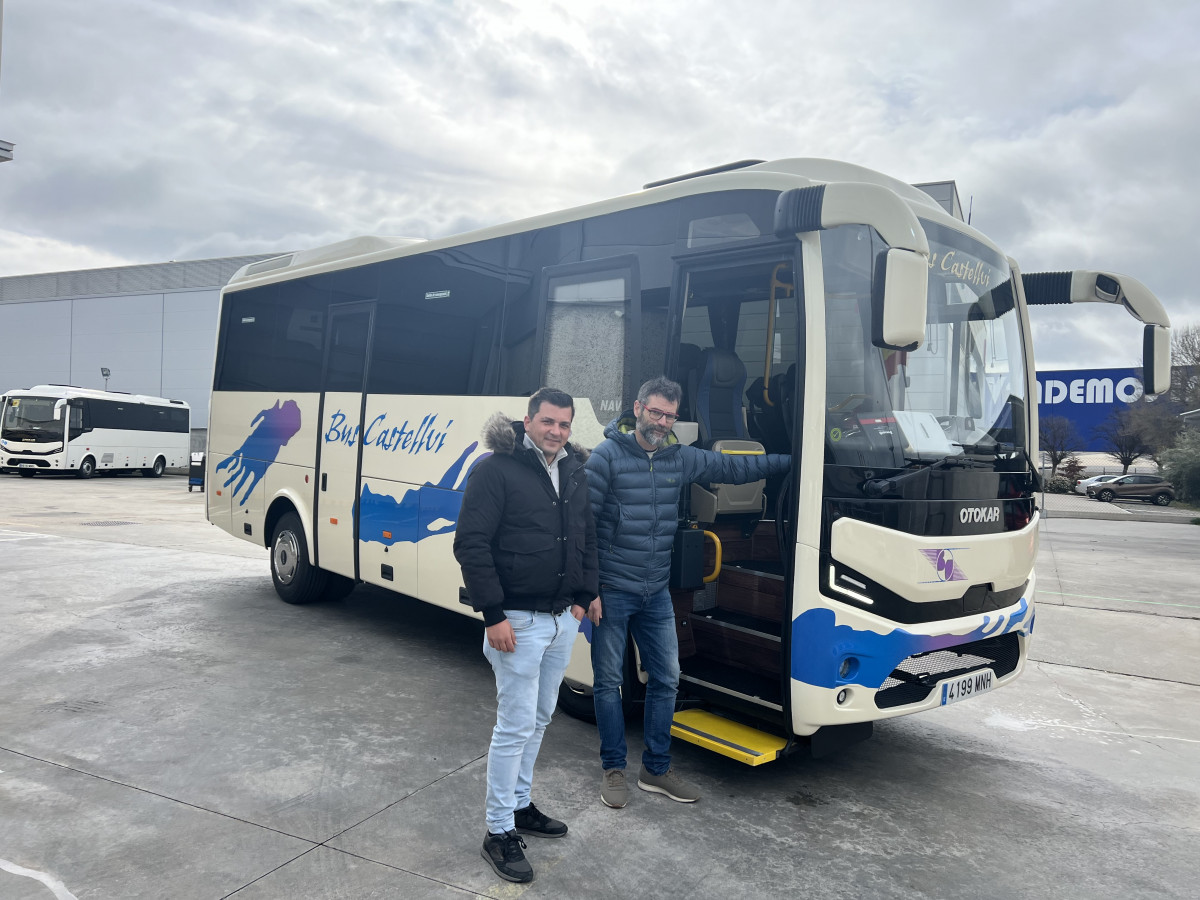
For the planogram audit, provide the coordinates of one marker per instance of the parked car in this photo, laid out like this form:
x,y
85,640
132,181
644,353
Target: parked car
x,y
1150,488
1081,485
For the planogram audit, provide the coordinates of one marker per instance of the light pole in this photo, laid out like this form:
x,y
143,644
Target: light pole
x,y
105,372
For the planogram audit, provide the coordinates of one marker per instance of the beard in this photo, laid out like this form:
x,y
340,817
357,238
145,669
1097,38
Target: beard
x,y
652,434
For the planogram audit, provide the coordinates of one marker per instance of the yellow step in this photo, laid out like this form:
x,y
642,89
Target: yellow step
x,y
724,736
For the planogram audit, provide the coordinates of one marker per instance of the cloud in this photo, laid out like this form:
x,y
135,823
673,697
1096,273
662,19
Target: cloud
x,y
168,130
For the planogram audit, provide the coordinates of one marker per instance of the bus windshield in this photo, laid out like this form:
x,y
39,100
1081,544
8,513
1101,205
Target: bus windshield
x,y
31,419
960,394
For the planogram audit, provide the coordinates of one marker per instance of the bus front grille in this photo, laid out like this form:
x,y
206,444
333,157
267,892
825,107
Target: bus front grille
x,y
916,676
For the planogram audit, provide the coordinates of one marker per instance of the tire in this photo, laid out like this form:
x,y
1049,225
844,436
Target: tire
x,y
337,587
1105,496
297,580
1161,500
156,471
576,702
87,468
26,473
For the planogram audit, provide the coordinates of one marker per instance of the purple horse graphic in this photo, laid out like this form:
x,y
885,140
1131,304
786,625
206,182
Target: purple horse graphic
x,y
273,428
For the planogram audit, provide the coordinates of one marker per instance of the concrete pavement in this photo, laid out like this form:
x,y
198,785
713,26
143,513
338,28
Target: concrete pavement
x,y
169,728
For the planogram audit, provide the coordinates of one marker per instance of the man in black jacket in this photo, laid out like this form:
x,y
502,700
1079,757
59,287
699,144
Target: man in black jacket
x,y
527,546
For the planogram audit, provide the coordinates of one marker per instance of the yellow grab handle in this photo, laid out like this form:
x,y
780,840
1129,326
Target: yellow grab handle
x,y
712,576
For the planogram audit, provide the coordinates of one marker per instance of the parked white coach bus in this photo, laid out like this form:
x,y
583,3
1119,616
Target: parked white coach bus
x,y
807,307
53,428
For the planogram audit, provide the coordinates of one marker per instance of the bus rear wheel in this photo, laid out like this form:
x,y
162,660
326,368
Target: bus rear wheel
x,y
296,579
87,468
156,471
576,701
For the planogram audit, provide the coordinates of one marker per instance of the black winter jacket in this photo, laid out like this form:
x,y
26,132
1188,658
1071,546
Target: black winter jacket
x,y
636,499
520,545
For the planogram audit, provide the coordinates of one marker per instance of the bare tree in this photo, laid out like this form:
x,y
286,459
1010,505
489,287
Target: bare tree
x,y
1123,440
1185,366
1058,439
1157,421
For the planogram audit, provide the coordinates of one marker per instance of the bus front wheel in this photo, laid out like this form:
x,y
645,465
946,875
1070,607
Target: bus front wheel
x,y
87,468
296,579
156,471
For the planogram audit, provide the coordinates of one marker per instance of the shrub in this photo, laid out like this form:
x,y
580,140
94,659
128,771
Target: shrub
x,y
1059,485
1181,465
1071,469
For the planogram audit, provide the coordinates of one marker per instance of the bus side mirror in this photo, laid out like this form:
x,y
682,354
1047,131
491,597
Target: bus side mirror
x,y
1156,359
899,299
58,408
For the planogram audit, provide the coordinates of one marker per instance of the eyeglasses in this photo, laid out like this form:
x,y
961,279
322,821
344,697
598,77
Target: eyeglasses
x,y
658,415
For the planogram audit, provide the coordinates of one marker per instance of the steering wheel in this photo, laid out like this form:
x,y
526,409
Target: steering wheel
x,y
850,398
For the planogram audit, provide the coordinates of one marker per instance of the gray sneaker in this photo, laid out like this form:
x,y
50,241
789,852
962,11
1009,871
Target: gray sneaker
x,y
668,783
612,789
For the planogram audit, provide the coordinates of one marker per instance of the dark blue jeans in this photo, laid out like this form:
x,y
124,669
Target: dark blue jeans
x,y
650,617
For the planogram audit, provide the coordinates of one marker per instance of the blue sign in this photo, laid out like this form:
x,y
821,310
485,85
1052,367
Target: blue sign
x,y
1086,397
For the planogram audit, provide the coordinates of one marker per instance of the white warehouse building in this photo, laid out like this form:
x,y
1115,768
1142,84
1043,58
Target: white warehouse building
x,y
154,327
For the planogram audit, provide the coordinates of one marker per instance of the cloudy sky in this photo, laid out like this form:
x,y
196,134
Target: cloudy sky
x,y
154,130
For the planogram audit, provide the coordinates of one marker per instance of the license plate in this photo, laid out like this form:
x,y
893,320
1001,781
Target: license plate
x,y
968,686
27,466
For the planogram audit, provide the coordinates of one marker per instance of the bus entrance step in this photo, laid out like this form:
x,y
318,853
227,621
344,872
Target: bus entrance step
x,y
724,736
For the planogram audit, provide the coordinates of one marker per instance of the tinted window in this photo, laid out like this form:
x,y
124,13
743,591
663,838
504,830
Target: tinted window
x,y
347,351
438,322
272,338
131,416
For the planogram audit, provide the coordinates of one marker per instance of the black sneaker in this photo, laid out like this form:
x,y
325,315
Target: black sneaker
x,y
503,853
531,820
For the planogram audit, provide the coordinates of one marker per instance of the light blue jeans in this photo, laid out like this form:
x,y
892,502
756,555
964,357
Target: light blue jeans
x,y
527,683
650,618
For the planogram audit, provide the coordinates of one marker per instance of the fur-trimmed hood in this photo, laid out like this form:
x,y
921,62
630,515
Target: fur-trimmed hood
x,y
502,435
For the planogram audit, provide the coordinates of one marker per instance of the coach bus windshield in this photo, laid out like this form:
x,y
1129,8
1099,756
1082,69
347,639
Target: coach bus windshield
x,y
30,419
962,393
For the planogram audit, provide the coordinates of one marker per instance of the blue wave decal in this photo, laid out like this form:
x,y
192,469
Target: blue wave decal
x,y
422,512
819,645
272,429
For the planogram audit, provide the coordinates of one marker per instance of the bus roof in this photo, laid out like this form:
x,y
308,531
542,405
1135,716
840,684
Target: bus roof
x,y
70,391
776,175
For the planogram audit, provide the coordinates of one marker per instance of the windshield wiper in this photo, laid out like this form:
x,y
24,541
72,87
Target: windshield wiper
x,y
881,487
994,448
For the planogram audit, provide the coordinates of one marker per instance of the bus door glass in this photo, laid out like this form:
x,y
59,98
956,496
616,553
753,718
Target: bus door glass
x,y
737,363
339,450
739,350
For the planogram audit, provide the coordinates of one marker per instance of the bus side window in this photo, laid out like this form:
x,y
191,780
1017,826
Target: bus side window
x,y
437,322
592,313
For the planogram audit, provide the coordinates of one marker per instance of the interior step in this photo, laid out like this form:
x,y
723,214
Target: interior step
x,y
733,739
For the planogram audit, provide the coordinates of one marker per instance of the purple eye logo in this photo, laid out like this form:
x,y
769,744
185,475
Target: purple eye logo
x,y
943,561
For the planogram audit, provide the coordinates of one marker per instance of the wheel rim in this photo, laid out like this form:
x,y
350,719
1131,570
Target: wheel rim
x,y
1106,496
159,467
286,556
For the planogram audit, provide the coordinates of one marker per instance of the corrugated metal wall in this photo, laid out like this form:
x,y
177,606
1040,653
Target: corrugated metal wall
x,y
153,326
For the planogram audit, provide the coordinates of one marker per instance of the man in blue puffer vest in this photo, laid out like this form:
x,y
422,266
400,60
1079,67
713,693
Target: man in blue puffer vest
x,y
634,479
